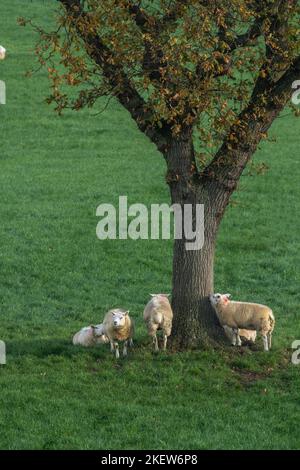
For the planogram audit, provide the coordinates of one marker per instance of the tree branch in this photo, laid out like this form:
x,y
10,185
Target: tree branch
x,y
270,94
247,38
173,13
142,19
239,41
251,125
121,86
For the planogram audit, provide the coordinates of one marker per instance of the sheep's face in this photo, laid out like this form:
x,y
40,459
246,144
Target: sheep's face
x,y
119,318
219,299
98,330
99,334
2,53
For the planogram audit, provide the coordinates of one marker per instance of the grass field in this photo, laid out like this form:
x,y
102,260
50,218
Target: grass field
x,y
55,277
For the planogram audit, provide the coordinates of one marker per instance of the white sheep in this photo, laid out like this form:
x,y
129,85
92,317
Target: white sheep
x,y
90,336
2,53
158,315
248,335
100,335
244,315
118,326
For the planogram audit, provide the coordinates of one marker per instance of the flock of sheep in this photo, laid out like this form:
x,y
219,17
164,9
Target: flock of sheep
x,y
119,326
239,320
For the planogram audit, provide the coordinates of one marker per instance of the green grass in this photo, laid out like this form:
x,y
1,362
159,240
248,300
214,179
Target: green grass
x,y
55,277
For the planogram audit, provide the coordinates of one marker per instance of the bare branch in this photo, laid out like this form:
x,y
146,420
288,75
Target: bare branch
x,y
121,86
250,127
247,38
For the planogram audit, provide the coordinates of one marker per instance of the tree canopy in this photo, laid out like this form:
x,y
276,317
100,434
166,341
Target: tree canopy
x,y
176,65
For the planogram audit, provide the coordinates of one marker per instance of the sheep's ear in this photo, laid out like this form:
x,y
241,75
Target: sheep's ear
x,y
228,296
93,326
152,295
127,312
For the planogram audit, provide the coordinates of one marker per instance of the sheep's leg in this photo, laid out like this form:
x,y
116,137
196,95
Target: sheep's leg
x,y
112,347
131,343
235,336
270,339
238,341
165,342
238,338
125,348
155,342
117,350
265,340
233,341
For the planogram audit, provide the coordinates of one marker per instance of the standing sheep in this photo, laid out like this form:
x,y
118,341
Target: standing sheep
x,y
158,315
118,326
248,335
246,315
90,336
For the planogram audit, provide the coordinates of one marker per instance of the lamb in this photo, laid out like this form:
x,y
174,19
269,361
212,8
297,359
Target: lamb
x,y
2,53
158,315
118,326
90,336
100,334
246,315
248,335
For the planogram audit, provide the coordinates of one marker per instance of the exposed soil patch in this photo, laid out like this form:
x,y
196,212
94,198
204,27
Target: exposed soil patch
x,y
248,377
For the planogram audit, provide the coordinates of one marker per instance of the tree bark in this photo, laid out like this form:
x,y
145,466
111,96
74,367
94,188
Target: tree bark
x,y
195,322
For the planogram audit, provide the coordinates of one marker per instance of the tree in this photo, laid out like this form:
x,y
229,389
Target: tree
x,y
204,80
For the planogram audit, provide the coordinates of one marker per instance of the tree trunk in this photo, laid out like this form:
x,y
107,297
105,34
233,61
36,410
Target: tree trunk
x,y
195,322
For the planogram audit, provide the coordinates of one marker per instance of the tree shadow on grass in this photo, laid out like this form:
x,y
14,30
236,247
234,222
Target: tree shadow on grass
x,y
43,348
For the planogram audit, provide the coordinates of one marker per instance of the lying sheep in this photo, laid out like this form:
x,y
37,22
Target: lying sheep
x,y
90,336
248,335
100,335
158,315
118,326
246,315
2,53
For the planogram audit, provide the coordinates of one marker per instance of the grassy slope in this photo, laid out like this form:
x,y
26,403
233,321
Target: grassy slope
x,y
55,276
